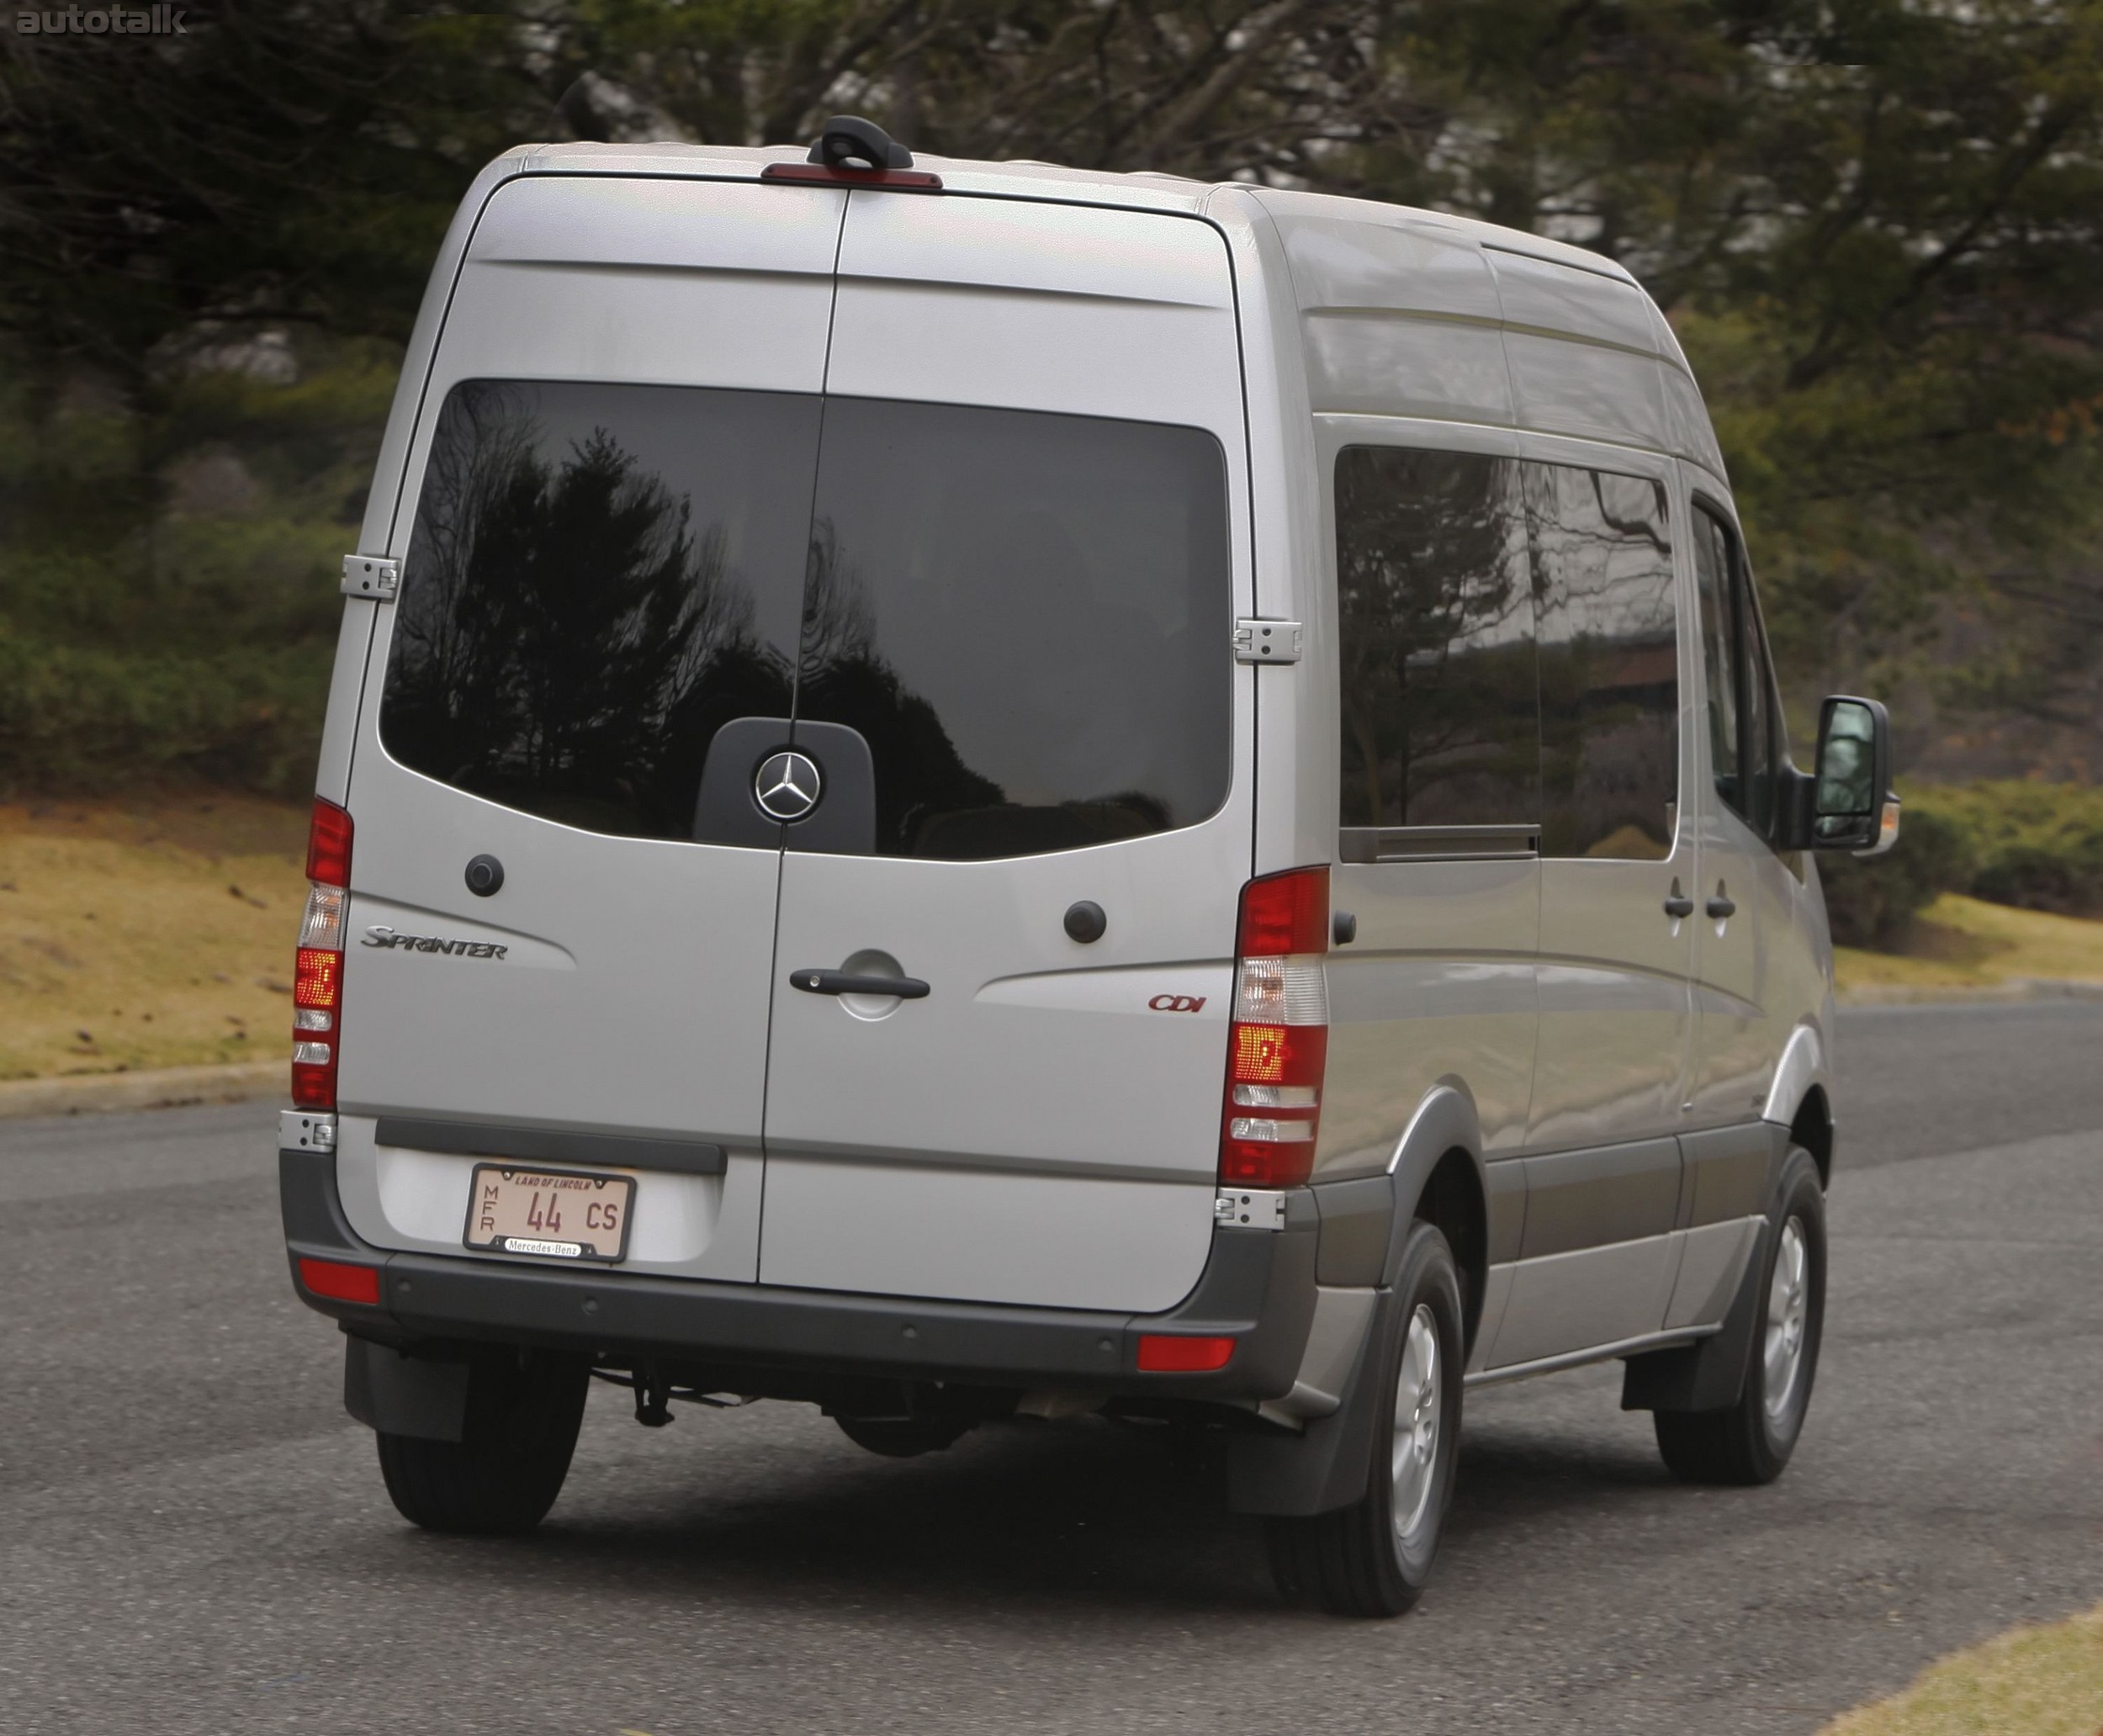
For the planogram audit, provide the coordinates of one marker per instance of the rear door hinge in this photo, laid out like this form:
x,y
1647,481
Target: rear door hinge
x,y
370,576
1266,641
1253,1209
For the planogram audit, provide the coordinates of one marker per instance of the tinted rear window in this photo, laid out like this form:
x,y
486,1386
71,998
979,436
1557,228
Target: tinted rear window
x,y
1026,617
601,576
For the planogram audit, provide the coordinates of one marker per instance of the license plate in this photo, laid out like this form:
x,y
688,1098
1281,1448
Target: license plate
x,y
554,1213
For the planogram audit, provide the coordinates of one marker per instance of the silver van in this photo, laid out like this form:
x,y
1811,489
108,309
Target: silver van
x,y
969,791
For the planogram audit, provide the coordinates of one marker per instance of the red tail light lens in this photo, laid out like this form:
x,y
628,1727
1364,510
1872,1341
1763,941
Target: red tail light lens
x,y
317,976
340,1283
1172,1353
1284,913
1277,1045
328,845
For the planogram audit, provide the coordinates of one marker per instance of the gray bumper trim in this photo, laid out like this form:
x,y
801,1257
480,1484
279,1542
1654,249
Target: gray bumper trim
x,y
1257,1286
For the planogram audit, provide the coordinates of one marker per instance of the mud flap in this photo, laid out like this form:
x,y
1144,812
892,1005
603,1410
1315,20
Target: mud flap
x,y
1324,1466
1708,1375
416,1396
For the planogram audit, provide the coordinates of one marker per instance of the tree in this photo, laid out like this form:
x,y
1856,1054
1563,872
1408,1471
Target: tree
x,y
1875,223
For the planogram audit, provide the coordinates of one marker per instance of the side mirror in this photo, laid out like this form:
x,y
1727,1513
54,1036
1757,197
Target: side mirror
x,y
1852,806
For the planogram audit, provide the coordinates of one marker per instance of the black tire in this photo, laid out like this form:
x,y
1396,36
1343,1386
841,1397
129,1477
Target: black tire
x,y
504,1474
1355,1561
904,1437
1751,1441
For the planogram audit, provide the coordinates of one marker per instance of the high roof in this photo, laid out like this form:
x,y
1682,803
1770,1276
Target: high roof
x,y
1145,189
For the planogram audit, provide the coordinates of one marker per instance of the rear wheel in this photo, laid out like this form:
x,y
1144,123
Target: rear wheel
x,y
1751,1441
504,1473
1374,1558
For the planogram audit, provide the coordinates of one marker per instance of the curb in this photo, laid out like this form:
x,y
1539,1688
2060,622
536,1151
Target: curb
x,y
160,1088
2015,990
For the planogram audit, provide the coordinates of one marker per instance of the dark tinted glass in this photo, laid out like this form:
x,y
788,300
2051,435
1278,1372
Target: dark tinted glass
x,y
599,576
1763,714
1440,723
1609,662
1027,617
1722,657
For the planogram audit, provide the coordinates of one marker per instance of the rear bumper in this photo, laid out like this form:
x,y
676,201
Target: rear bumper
x,y
1258,1288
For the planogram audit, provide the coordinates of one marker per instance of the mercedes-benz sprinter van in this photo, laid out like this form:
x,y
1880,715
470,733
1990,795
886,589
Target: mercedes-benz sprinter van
x,y
960,789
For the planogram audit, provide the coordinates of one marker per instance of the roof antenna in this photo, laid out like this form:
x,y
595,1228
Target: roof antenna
x,y
850,142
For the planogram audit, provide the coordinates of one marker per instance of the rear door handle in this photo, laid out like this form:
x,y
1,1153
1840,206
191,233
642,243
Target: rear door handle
x,y
1720,907
906,988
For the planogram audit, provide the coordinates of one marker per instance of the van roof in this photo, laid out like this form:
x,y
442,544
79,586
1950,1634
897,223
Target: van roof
x,y
1147,189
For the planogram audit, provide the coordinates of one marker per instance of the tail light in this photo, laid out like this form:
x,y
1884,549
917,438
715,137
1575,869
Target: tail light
x,y
1277,1045
317,977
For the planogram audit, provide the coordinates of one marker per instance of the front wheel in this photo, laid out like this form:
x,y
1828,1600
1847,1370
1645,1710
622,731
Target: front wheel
x,y
504,1473
1374,1558
1751,1441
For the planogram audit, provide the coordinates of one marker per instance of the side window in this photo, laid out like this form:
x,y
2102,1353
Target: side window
x,y
1440,724
1720,653
1602,555
1744,723
1763,718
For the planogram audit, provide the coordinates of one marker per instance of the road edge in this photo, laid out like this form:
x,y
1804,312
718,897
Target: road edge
x,y
2016,989
156,1088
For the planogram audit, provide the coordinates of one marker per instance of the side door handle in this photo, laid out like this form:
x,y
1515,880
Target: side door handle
x,y
839,982
1722,905
1677,904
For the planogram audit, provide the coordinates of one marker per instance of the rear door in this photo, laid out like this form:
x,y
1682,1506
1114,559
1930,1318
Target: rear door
x,y
610,485
1028,549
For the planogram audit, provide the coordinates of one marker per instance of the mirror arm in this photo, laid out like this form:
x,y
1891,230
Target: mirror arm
x,y
1796,809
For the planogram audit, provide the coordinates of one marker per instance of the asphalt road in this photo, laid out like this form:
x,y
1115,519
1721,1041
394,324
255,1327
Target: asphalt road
x,y
193,1537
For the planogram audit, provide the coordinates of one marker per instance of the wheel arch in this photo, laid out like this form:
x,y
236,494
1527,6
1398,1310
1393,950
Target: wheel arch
x,y
1800,1097
1438,1176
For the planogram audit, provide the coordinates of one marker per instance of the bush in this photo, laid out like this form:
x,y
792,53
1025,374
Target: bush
x,y
2039,846
169,600
1874,904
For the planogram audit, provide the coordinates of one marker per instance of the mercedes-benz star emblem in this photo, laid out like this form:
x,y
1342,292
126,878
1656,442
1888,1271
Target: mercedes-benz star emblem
x,y
787,784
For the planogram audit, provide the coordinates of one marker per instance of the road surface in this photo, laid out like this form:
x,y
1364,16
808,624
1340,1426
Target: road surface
x,y
194,1537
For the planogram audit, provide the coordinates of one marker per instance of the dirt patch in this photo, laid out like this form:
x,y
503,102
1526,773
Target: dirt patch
x,y
147,935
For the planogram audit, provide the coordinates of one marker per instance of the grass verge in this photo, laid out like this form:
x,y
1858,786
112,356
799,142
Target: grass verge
x,y
150,934
1964,943
2043,1682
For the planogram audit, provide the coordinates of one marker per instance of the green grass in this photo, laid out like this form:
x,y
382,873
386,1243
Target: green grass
x,y
1964,943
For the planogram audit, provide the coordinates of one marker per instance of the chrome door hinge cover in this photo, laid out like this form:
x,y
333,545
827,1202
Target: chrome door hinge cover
x,y
1266,641
370,576
1250,1210
303,1130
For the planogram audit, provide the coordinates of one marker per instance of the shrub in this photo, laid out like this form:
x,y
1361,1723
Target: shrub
x,y
2035,846
2038,845
1874,904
